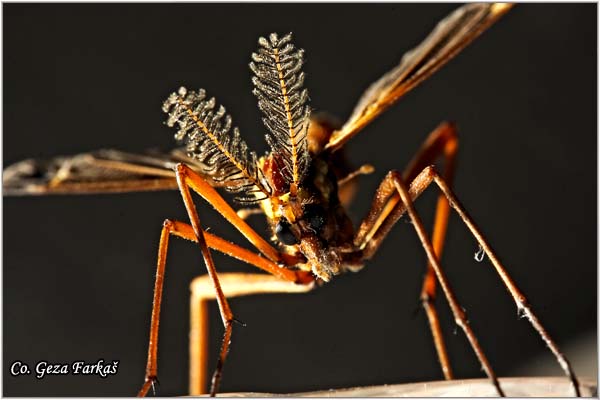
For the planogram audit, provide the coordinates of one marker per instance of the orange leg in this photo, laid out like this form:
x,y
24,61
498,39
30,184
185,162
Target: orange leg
x,y
186,178
234,285
214,242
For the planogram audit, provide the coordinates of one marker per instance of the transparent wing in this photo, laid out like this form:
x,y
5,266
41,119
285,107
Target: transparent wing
x,y
449,37
102,171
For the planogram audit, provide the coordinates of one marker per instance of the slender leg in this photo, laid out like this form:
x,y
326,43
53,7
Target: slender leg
x,y
186,177
419,184
234,284
442,141
459,315
521,302
384,211
186,231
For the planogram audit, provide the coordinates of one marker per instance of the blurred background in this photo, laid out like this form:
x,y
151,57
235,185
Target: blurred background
x,y
78,271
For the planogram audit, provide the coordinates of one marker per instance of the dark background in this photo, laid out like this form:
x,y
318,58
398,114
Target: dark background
x,y
79,271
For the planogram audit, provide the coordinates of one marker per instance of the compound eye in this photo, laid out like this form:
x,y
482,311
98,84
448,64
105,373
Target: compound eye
x,y
314,214
283,231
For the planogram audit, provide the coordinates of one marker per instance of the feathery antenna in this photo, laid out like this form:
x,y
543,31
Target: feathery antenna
x,y
278,85
206,128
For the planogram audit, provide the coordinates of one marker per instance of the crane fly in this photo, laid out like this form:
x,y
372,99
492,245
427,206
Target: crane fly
x,y
302,186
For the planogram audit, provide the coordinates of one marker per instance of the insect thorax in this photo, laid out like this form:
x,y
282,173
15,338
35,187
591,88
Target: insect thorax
x,y
312,224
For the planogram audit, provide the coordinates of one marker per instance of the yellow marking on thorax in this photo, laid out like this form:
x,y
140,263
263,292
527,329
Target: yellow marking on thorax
x,y
285,209
267,207
278,207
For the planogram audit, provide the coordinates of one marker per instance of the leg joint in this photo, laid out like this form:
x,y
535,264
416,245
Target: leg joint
x,y
181,169
460,318
430,171
394,174
427,298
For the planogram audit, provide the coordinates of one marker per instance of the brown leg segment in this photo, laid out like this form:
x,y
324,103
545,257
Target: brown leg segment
x,y
186,177
457,311
186,231
442,141
152,364
419,184
384,211
523,306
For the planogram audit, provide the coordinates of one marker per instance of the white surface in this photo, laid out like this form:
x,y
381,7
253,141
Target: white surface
x,y
513,387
